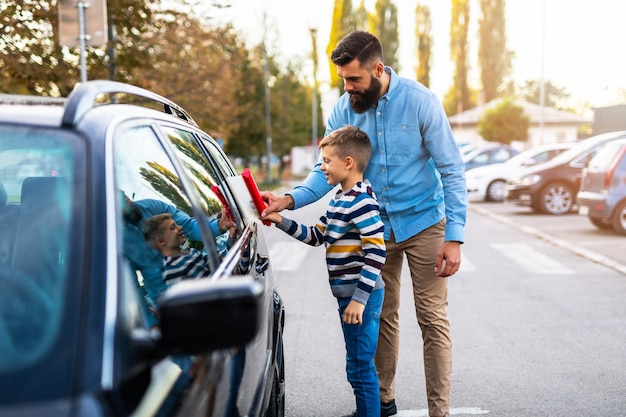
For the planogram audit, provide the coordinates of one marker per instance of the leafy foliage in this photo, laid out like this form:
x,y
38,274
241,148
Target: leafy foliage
x,y
530,91
423,34
205,68
458,97
342,24
504,123
386,29
493,56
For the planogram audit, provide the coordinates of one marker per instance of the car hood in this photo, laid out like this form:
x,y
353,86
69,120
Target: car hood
x,y
523,171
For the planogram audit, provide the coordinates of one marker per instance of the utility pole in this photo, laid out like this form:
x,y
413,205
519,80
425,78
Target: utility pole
x,y
268,117
314,103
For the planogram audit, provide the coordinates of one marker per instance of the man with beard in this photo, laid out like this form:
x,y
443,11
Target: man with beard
x,y
417,172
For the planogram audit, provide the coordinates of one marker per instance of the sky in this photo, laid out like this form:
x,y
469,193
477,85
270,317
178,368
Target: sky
x,y
575,44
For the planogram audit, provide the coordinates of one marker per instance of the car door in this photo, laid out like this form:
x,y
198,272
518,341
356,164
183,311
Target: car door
x,y
149,179
253,365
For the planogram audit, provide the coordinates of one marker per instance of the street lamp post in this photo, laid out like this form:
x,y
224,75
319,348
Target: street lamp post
x,y
314,104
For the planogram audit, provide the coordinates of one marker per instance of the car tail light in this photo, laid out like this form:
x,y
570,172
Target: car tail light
x,y
608,178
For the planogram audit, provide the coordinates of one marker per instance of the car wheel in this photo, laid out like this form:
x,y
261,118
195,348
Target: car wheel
x,y
556,198
619,218
495,191
600,223
276,407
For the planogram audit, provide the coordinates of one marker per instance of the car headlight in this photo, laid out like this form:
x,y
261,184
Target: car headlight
x,y
529,179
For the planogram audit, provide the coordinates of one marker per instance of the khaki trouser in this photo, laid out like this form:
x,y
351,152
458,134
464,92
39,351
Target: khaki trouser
x,y
430,294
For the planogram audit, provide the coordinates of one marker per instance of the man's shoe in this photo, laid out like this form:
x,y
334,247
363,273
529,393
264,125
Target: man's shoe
x,y
351,415
388,409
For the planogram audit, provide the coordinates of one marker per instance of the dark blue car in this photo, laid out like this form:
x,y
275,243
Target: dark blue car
x,y
602,195
84,330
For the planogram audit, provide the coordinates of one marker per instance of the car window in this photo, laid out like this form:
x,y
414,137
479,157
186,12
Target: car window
x,y
480,158
501,155
606,155
212,169
41,178
149,184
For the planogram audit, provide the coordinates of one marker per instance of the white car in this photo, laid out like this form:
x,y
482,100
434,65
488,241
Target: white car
x,y
487,183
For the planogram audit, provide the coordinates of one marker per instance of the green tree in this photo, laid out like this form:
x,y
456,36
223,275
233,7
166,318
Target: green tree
x,y
423,34
363,19
493,57
530,91
386,28
342,24
504,123
33,62
458,98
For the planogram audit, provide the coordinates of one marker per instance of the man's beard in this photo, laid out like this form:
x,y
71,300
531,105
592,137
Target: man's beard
x,y
362,102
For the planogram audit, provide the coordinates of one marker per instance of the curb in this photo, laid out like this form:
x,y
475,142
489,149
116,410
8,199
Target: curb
x,y
561,243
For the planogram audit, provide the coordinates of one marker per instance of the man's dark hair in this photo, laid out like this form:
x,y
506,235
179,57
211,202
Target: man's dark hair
x,y
359,45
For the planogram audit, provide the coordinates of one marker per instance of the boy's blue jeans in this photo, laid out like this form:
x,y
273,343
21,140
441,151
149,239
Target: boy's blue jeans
x,y
361,341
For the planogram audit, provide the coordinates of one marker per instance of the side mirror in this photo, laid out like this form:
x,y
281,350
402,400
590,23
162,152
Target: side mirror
x,y
201,315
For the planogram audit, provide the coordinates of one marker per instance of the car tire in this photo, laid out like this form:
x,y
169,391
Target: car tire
x,y
600,223
556,198
619,218
495,191
276,407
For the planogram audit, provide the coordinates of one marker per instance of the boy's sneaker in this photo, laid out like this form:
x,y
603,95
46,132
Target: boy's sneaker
x,y
388,409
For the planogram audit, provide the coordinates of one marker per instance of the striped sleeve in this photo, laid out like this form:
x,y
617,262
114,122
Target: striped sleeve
x,y
311,235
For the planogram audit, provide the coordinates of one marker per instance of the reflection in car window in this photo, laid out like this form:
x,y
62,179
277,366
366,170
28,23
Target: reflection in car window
x,y
204,175
149,184
41,176
214,167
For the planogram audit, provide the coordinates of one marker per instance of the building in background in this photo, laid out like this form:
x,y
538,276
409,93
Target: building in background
x,y
558,126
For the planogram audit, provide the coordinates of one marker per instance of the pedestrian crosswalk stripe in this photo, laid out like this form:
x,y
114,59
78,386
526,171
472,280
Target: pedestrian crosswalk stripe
x,y
459,411
530,259
288,256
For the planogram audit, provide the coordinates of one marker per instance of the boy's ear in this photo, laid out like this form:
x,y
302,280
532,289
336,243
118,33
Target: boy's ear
x,y
160,242
348,162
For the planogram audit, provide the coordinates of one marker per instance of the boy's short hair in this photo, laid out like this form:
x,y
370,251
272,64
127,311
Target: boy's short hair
x,y
152,229
350,141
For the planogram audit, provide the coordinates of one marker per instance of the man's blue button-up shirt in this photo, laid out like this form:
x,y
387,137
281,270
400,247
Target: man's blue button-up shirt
x,y
416,169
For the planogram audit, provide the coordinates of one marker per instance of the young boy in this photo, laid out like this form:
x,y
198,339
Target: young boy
x,y
352,232
163,234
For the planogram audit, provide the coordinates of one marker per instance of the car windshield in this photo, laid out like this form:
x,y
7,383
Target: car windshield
x,y
606,155
40,175
581,147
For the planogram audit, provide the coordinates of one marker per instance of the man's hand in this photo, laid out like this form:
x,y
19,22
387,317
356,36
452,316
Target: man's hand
x,y
448,259
275,203
353,314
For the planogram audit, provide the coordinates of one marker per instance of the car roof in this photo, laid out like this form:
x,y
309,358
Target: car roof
x,y
578,149
68,112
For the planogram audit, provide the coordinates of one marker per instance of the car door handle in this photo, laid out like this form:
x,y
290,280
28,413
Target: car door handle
x,y
261,264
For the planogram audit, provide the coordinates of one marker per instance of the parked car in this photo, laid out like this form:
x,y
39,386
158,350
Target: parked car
x,y
551,187
487,183
486,155
77,334
602,195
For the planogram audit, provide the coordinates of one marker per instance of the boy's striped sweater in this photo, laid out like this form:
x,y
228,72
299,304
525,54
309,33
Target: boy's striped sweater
x,y
353,234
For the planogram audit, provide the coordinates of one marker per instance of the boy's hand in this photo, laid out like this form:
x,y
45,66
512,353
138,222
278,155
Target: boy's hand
x,y
273,217
224,223
353,314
